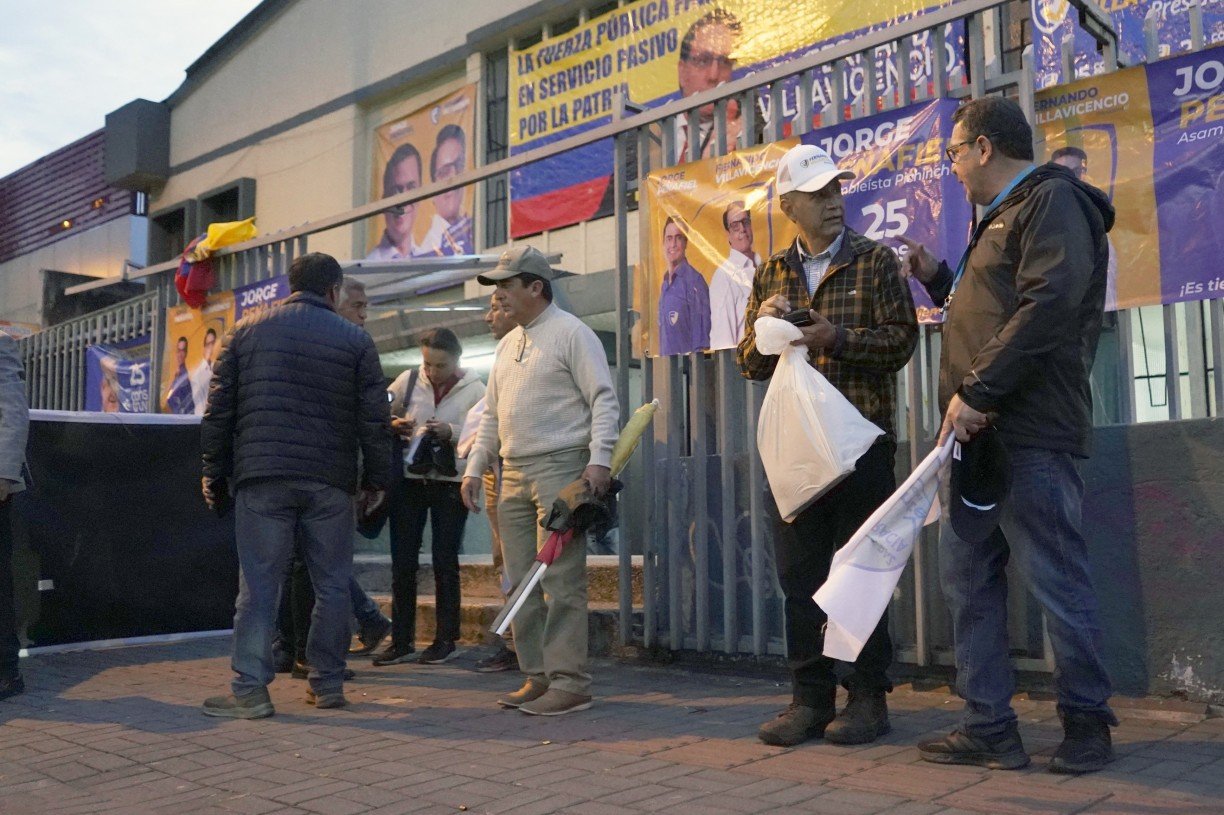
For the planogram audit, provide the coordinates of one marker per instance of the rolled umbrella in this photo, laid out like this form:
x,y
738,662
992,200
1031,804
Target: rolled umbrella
x,y
575,511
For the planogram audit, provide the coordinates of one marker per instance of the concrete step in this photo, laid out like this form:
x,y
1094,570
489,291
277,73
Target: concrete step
x,y
476,614
480,579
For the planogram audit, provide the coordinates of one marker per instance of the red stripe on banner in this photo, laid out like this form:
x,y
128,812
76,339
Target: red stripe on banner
x,y
563,207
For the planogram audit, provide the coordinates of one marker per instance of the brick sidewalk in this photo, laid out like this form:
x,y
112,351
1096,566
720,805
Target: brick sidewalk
x,y
120,731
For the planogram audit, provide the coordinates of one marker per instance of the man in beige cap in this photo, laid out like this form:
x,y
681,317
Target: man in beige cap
x,y
552,415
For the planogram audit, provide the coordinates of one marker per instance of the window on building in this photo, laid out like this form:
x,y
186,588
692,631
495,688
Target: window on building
x,y
231,202
497,147
1016,19
170,230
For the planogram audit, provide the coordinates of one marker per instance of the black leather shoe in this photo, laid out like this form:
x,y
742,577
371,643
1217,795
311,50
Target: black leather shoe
x,y
864,720
371,636
11,686
422,462
1087,745
444,458
1002,752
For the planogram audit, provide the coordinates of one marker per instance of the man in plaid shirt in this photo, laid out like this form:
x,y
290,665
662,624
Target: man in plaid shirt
x,y
863,330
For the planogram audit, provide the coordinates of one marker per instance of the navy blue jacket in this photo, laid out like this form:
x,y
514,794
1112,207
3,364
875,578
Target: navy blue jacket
x,y
296,390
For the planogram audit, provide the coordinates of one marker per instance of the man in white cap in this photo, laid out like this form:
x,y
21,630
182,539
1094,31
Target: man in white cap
x,y
862,331
552,415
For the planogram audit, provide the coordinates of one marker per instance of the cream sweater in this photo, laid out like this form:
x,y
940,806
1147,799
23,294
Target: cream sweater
x,y
550,390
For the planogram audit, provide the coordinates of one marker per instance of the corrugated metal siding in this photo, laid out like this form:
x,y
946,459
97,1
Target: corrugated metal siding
x,y
61,185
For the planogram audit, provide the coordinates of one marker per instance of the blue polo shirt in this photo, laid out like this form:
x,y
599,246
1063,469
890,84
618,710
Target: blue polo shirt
x,y
684,312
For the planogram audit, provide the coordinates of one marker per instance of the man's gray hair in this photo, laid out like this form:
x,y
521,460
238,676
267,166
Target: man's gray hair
x,y
349,284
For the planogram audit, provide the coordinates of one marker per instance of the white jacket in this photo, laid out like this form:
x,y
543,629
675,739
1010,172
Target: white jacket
x,y
453,408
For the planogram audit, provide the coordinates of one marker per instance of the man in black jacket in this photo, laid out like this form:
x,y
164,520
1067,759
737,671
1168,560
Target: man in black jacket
x,y
1023,316
296,391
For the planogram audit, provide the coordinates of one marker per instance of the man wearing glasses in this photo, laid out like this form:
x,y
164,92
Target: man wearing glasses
x,y
450,232
732,281
706,62
860,329
1022,317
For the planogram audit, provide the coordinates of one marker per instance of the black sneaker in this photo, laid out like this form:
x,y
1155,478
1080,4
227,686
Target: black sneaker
x,y
11,686
439,652
371,636
864,720
1087,745
1002,752
503,660
391,655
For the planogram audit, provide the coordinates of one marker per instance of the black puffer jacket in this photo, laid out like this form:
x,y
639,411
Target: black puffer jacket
x,y
296,390
1021,332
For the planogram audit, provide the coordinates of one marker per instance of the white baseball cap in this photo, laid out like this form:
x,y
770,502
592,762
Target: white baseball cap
x,y
807,168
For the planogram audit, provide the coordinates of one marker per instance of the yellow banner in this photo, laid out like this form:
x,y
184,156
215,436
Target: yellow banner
x,y
193,342
431,144
655,49
1101,129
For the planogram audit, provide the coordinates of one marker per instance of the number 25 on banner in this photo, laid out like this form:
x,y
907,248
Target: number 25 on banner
x,y
888,219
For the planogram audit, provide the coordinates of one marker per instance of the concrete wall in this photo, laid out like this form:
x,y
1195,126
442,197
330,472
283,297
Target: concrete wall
x,y
1154,517
99,252
315,52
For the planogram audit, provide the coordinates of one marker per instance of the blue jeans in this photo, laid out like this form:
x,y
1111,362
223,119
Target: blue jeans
x,y
1039,527
267,515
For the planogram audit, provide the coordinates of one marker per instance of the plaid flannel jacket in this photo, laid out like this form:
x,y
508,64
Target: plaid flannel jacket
x,y
869,303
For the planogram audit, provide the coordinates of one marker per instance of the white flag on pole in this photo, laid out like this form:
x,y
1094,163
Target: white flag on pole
x,y
865,571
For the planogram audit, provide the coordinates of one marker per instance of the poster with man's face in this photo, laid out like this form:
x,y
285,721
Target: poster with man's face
x,y
432,144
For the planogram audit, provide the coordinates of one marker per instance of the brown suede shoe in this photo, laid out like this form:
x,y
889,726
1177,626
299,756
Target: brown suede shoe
x,y
528,693
556,702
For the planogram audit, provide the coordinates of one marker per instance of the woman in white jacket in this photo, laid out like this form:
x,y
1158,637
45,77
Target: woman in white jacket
x,y
428,406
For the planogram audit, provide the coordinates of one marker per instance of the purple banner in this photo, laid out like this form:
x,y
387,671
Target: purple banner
x,y
904,185
259,295
1187,103
117,377
1055,20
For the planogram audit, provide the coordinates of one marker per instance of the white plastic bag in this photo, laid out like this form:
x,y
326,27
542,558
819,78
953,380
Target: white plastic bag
x,y
809,435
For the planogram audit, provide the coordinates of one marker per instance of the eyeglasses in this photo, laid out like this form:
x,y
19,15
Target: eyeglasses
x,y
704,60
953,153
742,225
451,168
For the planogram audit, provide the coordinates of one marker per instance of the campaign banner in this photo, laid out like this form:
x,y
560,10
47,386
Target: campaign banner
x,y
657,51
117,377
430,144
125,545
194,336
711,222
1151,137
1053,21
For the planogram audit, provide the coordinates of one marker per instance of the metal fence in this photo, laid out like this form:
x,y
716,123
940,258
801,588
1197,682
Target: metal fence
x,y
701,516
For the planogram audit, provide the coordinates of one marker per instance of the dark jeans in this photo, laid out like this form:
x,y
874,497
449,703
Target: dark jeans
x,y
297,603
804,551
9,645
1039,527
268,516
412,501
